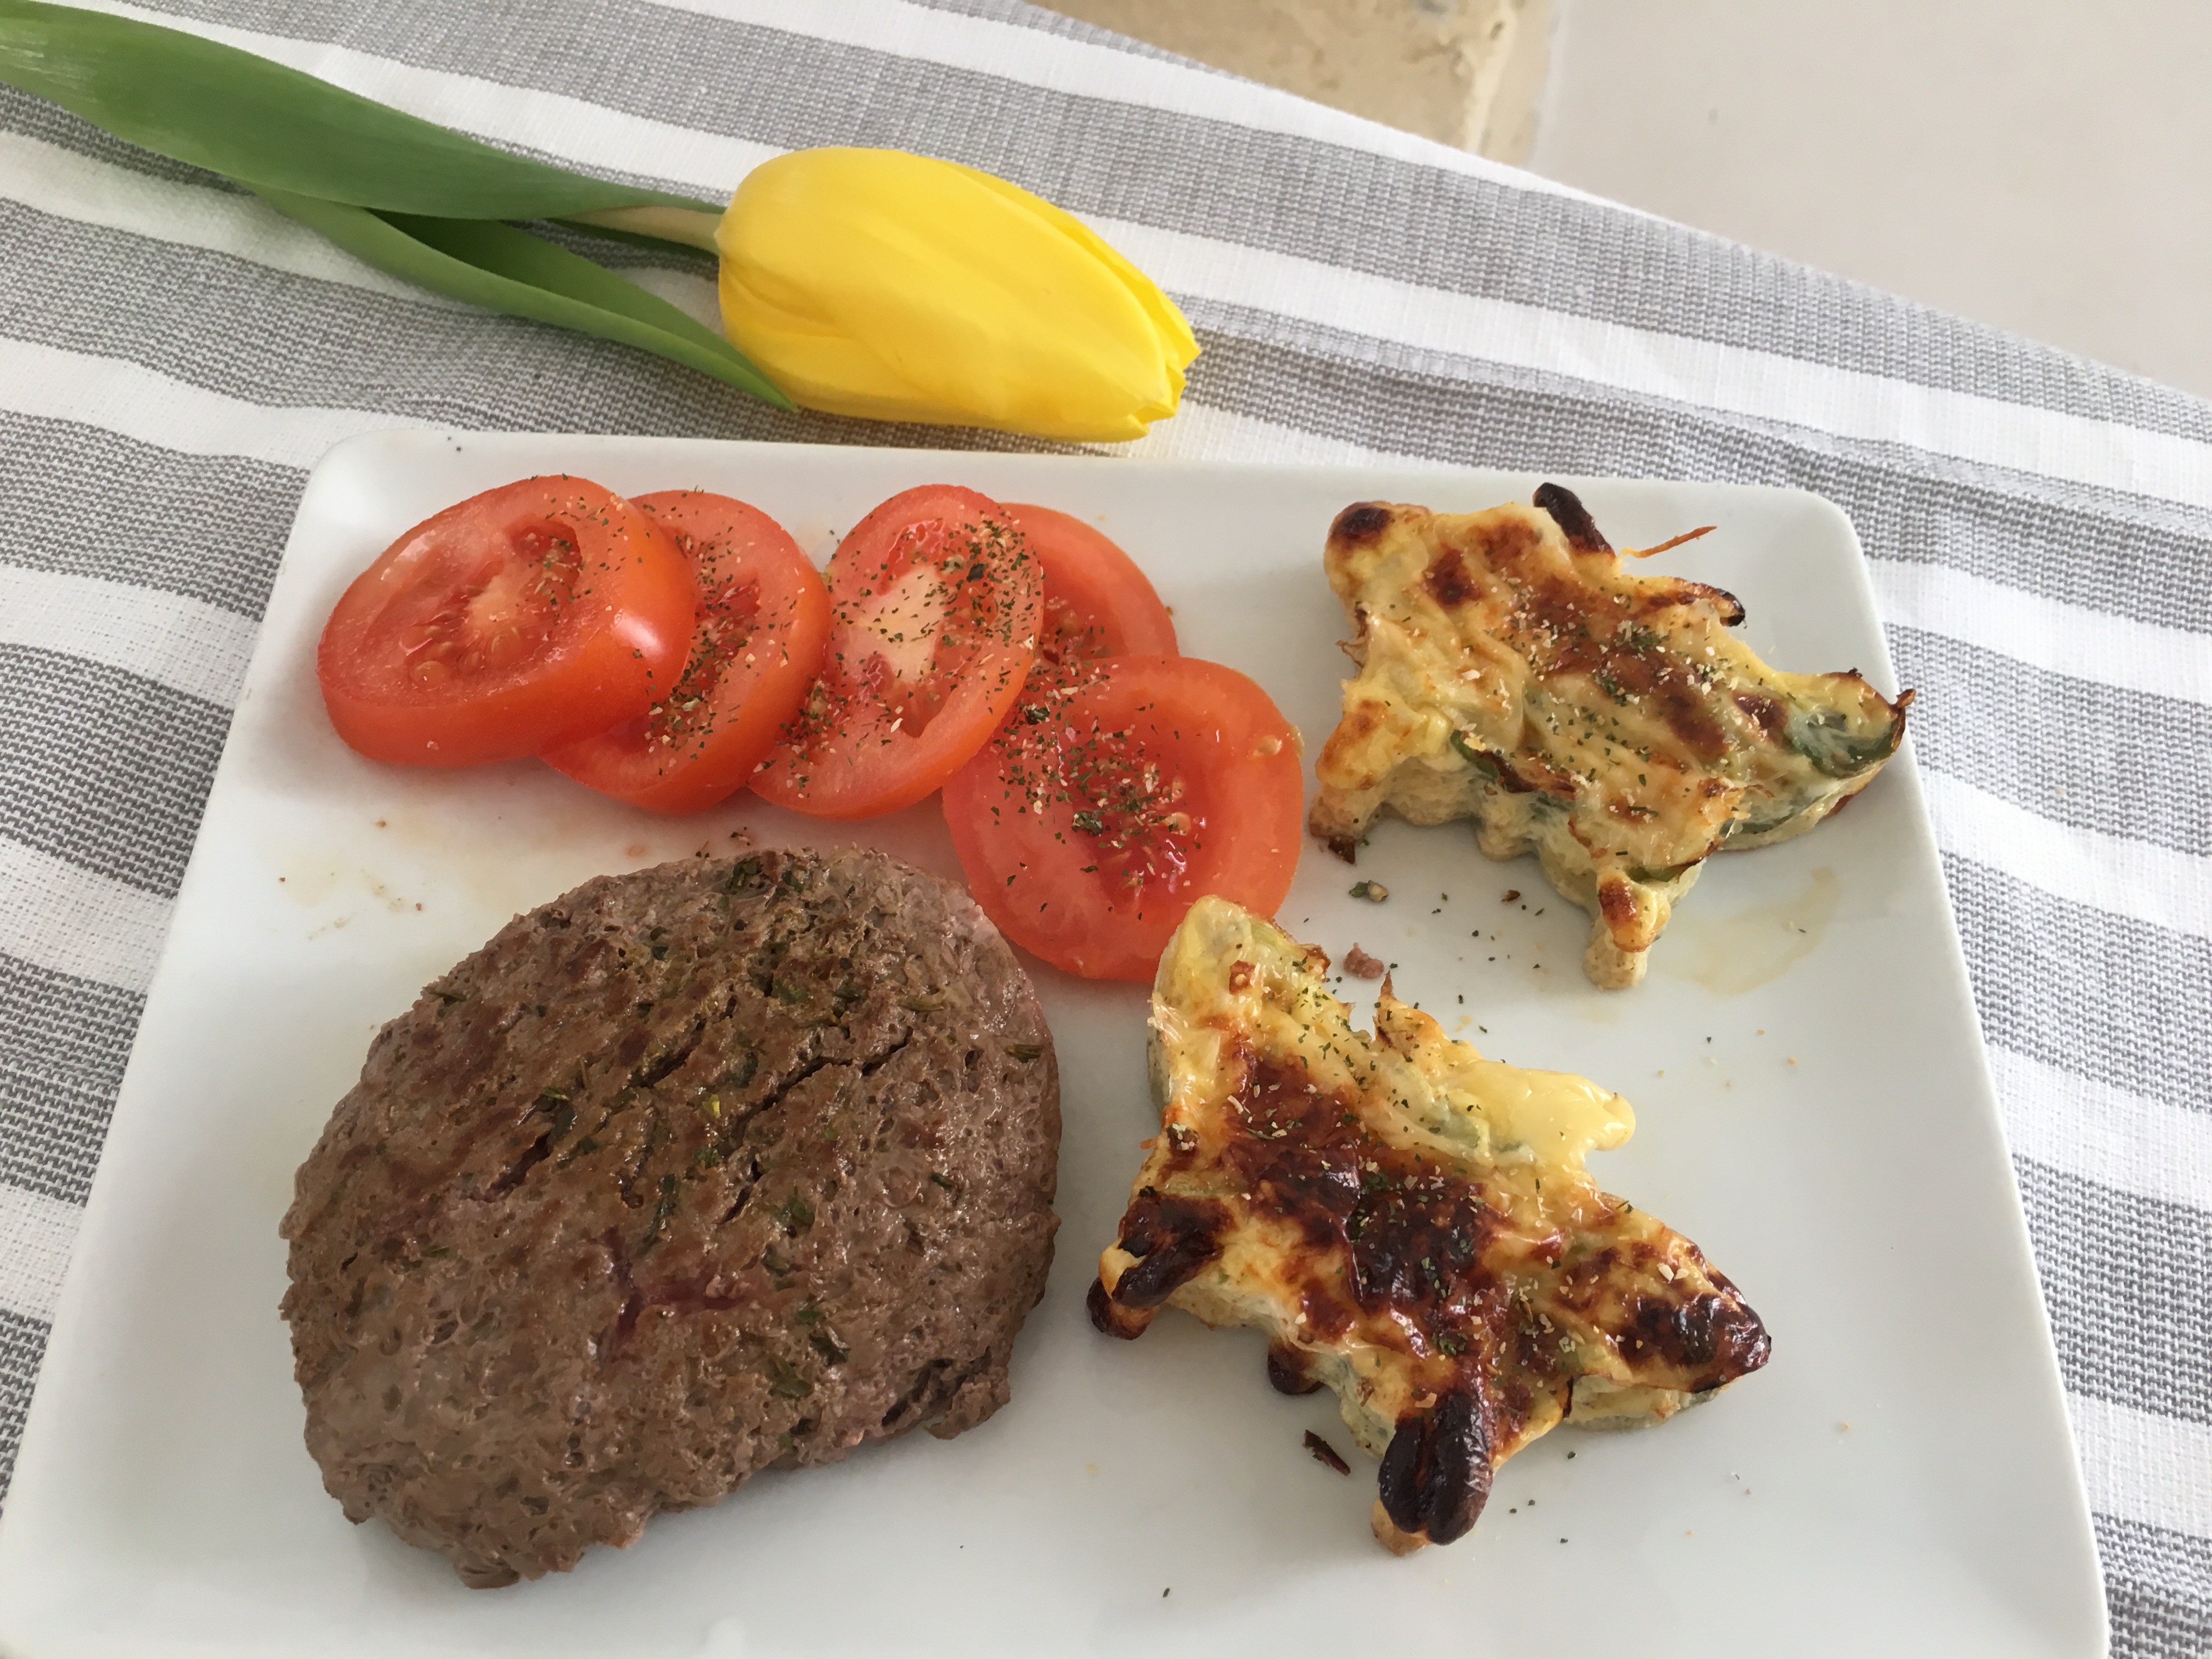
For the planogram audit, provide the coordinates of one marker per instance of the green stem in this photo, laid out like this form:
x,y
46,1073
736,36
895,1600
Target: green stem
x,y
503,268
692,227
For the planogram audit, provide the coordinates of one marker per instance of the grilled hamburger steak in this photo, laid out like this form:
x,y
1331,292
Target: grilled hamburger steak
x,y
694,1171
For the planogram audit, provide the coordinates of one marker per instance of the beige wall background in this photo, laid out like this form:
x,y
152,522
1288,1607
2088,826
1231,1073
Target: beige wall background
x,y
2045,166
1464,72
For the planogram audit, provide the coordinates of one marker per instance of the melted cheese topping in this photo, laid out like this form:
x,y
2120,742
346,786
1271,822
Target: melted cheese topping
x,y
1514,675
1230,985
1411,1222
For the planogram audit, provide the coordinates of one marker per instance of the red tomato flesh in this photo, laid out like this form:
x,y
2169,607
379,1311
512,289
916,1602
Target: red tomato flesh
x,y
1118,794
762,618
1096,602
527,616
934,603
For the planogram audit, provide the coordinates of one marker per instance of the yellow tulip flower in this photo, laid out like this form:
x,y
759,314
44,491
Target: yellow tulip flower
x,y
897,287
860,281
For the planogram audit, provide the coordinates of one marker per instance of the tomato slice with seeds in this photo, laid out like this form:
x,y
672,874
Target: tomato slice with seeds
x,y
1096,602
1119,793
529,615
762,618
934,601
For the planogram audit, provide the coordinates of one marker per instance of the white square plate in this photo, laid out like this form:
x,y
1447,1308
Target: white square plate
x,y
1814,1110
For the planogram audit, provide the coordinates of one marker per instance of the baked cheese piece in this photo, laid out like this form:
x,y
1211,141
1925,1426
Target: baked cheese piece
x,y
1512,671
1410,1224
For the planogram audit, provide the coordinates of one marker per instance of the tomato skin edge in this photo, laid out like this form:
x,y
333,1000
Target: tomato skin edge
x,y
917,782
1255,848
607,671
395,736
764,713
1087,569
844,786
727,759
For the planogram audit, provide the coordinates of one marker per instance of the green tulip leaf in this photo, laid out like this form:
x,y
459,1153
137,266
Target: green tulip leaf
x,y
276,129
508,269
505,251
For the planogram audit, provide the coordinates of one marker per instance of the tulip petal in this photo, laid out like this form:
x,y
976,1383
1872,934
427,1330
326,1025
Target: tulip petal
x,y
880,283
1177,340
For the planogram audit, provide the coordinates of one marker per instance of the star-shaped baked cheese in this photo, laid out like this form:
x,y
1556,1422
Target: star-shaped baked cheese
x,y
1409,1222
1513,671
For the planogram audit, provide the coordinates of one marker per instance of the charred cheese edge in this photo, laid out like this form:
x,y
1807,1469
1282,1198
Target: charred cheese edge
x,y
1410,1224
1512,671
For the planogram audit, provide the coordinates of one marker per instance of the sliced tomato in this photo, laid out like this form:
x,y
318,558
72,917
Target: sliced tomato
x,y
763,615
1121,792
1096,602
934,603
529,615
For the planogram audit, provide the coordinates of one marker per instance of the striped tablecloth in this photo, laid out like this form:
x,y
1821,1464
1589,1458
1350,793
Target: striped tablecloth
x,y
173,356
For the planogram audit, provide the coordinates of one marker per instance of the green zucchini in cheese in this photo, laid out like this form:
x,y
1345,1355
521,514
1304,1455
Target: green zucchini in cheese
x,y
1513,671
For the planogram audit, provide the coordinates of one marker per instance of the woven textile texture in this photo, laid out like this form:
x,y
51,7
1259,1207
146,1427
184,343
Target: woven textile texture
x,y
173,356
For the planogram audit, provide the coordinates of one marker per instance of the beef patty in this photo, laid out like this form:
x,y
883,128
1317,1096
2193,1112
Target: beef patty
x,y
694,1171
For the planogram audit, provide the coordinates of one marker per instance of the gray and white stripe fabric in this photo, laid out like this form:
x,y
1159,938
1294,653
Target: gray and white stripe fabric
x,y
173,356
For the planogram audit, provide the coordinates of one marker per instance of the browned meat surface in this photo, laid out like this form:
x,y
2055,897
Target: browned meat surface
x,y
693,1172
